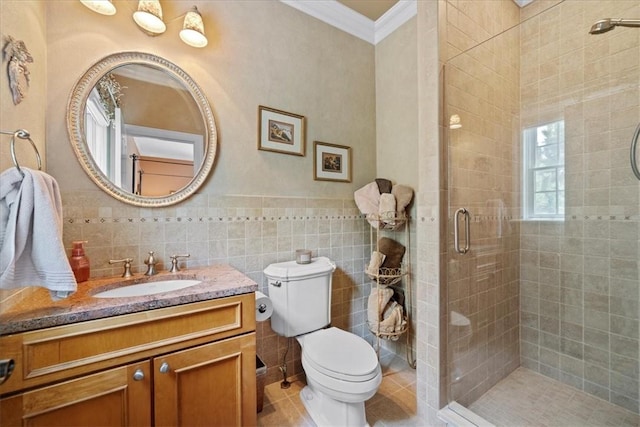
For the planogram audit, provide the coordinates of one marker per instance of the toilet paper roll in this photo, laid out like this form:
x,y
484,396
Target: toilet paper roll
x,y
264,307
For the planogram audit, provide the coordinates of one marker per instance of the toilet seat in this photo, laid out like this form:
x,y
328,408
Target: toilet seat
x,y
340,355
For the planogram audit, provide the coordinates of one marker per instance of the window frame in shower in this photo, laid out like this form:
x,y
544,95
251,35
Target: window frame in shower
x,y
531,167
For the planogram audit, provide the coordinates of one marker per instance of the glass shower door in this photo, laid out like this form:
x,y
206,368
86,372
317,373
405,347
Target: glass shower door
x,y
481,93
545,113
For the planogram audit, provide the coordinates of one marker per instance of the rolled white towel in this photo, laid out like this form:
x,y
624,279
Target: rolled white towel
x,y
391,317
377,258
387,208
378,300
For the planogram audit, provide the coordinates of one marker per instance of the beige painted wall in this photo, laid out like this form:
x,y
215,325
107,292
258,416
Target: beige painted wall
x,y
259,53
24,20
397,106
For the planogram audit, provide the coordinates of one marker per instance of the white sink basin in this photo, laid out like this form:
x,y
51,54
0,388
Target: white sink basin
x,y
148,288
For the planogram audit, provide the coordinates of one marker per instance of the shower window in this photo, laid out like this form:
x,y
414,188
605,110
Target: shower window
x,y
544,171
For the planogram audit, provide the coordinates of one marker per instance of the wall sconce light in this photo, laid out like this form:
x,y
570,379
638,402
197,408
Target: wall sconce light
x,y
454,122
149,17
192,32
103,7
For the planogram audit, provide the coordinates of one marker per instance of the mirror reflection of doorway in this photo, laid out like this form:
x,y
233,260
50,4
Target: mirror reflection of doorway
x,y
158,162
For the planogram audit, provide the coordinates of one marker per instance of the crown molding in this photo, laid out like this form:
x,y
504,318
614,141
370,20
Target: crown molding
x,y
340,16
393,19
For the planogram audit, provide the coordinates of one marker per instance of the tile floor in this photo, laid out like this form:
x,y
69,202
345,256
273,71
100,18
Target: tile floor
x,y
524,399
393,405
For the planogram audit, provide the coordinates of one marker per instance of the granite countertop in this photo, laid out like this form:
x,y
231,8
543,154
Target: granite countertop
x,y
39,311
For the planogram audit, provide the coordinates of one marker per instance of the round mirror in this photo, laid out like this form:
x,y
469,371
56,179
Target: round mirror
x,y
142,129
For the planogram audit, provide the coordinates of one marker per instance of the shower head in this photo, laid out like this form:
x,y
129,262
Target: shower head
x,y
604,25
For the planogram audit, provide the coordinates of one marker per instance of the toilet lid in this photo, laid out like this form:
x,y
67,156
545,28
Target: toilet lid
x,y
341,354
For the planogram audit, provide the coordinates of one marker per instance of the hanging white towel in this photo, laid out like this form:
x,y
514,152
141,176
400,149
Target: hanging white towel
x,y
31,248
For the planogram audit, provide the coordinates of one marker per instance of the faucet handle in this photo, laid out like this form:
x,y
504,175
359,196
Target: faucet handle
x,y
127,265
151,260
151,264
174,262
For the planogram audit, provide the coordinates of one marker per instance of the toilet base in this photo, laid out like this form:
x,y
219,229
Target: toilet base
x,y
328,412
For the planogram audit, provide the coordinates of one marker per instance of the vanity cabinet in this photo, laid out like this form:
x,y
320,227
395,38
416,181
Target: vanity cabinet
x,y
187,365
108,398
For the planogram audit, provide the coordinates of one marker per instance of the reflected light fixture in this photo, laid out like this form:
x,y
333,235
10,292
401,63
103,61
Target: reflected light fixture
x,y
454,122
149,17
192,32
103,7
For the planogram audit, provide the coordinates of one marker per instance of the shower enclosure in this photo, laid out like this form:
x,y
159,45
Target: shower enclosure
x,y
542,119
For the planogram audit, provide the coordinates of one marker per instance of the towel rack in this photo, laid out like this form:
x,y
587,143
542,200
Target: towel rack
x,y
22,134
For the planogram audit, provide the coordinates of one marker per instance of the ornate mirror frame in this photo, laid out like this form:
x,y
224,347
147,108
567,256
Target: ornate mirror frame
x,y
76,127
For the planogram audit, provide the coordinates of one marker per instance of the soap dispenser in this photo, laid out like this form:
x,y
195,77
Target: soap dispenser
x,y
79,261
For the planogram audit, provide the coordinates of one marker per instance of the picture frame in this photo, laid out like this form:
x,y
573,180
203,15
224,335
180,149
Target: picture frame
x,y
331,162
280,131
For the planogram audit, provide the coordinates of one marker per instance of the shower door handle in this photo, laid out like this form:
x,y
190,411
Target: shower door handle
x,y
634,146
456,232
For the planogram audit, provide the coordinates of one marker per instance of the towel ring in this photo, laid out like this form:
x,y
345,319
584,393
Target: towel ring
x,y
22,134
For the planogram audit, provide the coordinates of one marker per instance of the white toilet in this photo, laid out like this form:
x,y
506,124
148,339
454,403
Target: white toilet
x,y
342,369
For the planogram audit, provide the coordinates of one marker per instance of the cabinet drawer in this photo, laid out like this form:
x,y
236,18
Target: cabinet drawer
x,y
52,354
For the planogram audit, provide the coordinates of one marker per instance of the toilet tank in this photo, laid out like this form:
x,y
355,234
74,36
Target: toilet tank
x,y
301,295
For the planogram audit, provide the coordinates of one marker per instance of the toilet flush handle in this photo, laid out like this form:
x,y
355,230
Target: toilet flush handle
x,y
277,283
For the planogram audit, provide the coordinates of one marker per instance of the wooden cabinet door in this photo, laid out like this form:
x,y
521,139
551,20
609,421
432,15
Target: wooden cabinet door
x,y
209,385
108,398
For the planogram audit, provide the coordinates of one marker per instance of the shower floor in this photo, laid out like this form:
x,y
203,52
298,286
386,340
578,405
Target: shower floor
x,y
526,398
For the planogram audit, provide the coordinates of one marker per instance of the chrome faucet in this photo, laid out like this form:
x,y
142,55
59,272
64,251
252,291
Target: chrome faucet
x,y
151,265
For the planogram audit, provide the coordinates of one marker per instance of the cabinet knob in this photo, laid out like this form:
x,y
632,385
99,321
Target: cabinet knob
x,y
138,375
164,368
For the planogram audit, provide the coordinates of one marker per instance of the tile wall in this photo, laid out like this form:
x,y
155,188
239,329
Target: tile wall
x,y
248,233
580,277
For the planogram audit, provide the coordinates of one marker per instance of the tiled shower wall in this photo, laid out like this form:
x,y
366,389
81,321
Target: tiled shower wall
x,y
580,280
246,232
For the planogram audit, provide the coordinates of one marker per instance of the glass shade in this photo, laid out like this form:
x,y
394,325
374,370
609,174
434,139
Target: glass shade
x,y
149,17
103,7
192,32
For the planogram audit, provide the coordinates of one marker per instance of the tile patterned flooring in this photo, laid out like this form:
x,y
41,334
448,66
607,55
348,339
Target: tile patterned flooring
x,y
523,399
393,405
526,398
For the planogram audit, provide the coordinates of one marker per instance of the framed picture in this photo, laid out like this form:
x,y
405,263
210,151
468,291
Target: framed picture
x,y
331,162
280,131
